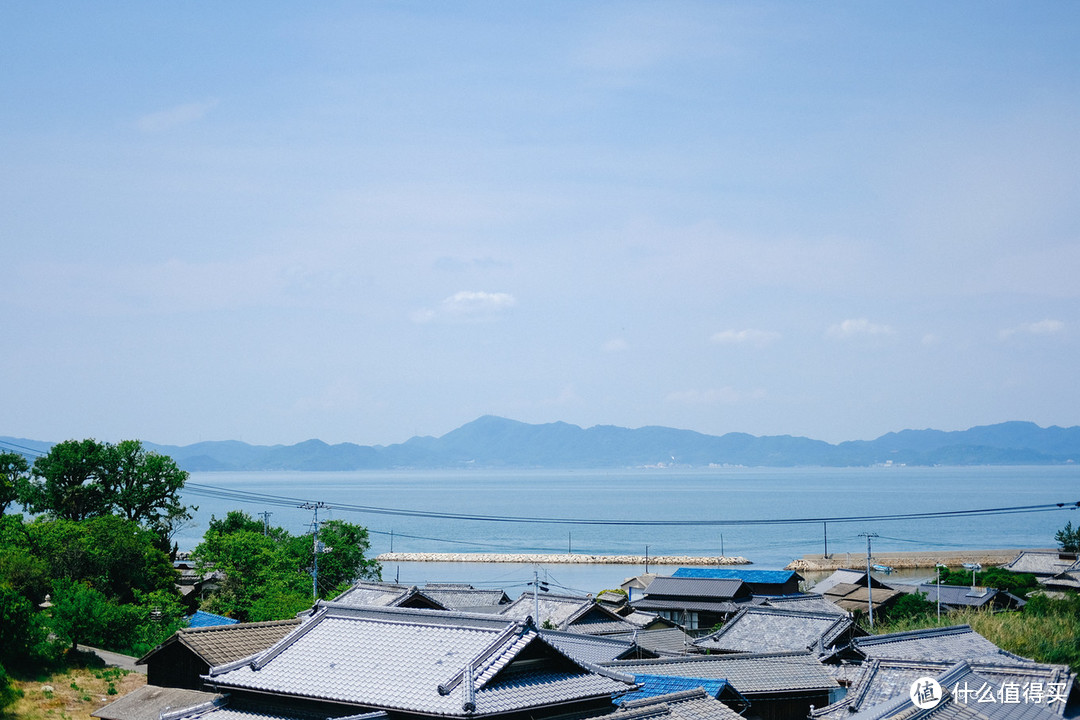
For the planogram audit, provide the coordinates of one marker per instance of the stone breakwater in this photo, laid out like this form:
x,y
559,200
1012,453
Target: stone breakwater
x,y
563,559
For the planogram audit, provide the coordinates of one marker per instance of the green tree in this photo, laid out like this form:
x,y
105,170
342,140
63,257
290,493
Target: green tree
x,y
21,633
81,614
113,555
144,486
1068,539
8,693
66,483
911,606
343,559
14,478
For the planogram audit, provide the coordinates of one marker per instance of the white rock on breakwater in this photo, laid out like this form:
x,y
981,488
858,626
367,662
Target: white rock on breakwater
x,y
563,559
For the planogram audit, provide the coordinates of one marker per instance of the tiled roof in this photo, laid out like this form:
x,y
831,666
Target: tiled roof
x,y
846,577
459,598
765,577
653,685
958,595
385,595
749,673
219,644
232,708
812,602
695,704
201,618
663,641
854,598
1068,580
702,588
150,701
1045,562
880,681
429,662
568,612
955,705
954,643
689,604
765,629
594,649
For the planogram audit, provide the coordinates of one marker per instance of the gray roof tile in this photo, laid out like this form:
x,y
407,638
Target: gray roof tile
x,y
220,644
1045,562
954,643
430,662
749,673
687,705
150,701
702,588
881,681
766,629
812,602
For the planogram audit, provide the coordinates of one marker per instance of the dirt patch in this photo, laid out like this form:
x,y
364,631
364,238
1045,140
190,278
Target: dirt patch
x,y
73,694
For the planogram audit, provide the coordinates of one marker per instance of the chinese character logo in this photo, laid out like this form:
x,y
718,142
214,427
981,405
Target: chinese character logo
x,y
925,693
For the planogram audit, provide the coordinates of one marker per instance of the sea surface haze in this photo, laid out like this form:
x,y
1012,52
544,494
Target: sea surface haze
x,y
739,497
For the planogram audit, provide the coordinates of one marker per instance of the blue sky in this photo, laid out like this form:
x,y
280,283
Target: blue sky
x,y
366,221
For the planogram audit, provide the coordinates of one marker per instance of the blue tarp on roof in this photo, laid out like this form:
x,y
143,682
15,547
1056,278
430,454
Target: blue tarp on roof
x,y
205,619
776,577
653,685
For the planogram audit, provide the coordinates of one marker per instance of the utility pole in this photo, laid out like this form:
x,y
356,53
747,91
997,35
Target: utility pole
x,y
937,567
646,559
315,548
536,597
825,529
869,590
266,521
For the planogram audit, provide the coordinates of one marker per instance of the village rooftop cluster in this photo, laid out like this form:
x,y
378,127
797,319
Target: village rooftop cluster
x,y
700,643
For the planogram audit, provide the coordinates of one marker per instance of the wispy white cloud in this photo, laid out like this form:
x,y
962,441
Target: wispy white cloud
x,y
855,327
1042,327
714,396
615,345
175,116
756,338
467,306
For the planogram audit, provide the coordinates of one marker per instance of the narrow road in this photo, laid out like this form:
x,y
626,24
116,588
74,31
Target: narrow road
x,y
113,659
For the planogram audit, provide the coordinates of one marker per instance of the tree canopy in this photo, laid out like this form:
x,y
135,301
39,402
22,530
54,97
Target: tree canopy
x,y
81,479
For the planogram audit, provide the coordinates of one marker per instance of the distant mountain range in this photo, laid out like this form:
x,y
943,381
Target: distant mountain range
x,y
494,442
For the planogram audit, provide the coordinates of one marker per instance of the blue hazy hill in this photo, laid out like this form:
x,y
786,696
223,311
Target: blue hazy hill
x,y
494,442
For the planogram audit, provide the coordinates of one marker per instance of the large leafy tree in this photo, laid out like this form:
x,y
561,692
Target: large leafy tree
x,y
14,477
67,482
144,486
1068,539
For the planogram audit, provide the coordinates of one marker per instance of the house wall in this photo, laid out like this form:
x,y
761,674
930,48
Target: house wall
x,y
176,666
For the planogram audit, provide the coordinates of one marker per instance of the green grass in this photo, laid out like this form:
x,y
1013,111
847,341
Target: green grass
x,y
1048,630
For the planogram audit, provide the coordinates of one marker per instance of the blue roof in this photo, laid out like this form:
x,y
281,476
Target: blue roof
x,y
205,619
777,577
653,685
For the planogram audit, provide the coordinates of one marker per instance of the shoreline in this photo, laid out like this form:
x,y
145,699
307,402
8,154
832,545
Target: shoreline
x,y
909,560
561,559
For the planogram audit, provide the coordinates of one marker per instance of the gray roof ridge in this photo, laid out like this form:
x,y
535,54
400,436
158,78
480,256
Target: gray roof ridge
x,y
583,636
711,658
497,644
194,710
906,634
431,617
234,627
588,607
258,660
673,697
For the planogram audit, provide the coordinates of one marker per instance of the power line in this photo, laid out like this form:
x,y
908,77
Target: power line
x,y
212,491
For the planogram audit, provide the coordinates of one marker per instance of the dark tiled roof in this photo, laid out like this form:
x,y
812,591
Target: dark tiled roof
x,y
765,629
749,673
959,595
688,604
954,705
881,681
150,701
812,602
664,641
954,643
846,577
594,649
428,662
568,612
386,595
219,644
701,588
459,598
1043,562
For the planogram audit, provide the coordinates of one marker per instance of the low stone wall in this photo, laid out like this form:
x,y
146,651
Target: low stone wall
x,y
903,560
561,559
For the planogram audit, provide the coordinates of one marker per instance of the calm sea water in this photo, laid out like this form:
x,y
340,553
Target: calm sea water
x,y
656,494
